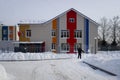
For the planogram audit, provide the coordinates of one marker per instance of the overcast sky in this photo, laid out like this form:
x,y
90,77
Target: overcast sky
x,y
14,11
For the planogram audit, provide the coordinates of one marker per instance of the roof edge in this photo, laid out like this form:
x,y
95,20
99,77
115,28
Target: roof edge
x,y
76,12
84,16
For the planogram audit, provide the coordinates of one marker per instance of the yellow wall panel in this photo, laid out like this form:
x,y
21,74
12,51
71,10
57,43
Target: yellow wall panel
x,y
54,24
11,32
22,30
54,27
54,40
54,51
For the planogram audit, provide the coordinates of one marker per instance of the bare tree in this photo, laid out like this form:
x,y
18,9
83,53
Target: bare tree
x,y
118,33
103,30
115,29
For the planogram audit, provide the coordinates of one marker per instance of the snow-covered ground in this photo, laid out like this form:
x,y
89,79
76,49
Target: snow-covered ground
x,y
51,66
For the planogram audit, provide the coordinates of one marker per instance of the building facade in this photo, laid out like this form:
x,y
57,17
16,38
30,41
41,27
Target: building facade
x,y
62,34
7,37
7,33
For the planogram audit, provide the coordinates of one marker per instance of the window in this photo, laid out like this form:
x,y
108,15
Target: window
x,y
53,33
76,46
28,33
65,47
4,32
11,39
78,33
11,31
4,38
64,34
53,45
71,20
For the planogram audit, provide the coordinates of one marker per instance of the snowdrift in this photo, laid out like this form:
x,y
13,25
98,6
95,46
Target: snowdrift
x,y
3,74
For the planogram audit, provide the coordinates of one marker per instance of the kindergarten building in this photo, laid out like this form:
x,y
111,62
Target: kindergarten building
x,y
7,37
62,34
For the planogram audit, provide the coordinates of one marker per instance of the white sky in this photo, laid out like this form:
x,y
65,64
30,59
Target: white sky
x,y
14,11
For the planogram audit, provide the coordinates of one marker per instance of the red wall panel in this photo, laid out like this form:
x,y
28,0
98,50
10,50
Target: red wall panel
x,y
71,26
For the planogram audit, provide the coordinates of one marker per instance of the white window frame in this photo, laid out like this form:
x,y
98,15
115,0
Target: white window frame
x,y
72,20
4,32
78,33
11,39
53,46
53,33
76,45
4,39
65,47
65,34
28,33
10,31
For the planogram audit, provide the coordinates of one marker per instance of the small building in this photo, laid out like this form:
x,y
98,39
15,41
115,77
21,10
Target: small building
x,y
7,37
62,34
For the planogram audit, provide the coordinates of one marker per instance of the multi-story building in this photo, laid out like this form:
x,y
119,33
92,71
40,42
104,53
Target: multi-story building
x,y
64,33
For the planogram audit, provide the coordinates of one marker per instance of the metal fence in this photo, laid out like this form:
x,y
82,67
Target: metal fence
x,y
29,49
109,48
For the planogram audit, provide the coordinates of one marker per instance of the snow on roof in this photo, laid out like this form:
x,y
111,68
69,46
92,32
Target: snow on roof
x,y
76,12
60,16
28,42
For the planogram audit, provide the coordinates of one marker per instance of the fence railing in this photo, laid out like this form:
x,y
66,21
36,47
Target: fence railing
x,y
109,48
29,49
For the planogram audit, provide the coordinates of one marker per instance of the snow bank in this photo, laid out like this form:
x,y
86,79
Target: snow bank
x,y
33,56
3,74
108,60
100,56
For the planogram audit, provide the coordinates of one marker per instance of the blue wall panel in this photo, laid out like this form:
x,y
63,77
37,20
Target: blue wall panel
x,y
4,32
86,32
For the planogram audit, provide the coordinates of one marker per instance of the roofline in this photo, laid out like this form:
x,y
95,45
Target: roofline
x,y
29,23
75,11
8,25
62,15
27,42
85,16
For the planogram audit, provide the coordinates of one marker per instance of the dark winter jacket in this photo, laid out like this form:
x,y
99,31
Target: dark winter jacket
x,y
80,50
